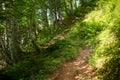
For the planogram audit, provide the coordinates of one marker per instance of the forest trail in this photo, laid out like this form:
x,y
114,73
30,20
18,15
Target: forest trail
x,y
60,36
76,69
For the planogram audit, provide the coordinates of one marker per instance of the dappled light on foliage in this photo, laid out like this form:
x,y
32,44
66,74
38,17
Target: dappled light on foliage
x,y
62,39
106,43
100,30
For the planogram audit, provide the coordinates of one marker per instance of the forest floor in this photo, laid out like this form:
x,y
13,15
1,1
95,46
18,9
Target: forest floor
x,y
75,69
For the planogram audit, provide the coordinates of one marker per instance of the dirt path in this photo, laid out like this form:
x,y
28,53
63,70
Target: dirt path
x,y
76,69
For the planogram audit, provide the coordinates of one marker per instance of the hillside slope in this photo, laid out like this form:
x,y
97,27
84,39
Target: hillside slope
x,y
98,30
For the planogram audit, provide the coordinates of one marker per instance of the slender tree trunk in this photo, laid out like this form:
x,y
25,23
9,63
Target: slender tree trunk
x,y
5,52
4,42
59,10
31,29
75,5
66,7
71,7
14,47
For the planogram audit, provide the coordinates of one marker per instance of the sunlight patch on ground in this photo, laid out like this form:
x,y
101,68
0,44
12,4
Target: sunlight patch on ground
x,y
100,62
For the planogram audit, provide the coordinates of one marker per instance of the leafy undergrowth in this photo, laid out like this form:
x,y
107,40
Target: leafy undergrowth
x,y
36,67
100,30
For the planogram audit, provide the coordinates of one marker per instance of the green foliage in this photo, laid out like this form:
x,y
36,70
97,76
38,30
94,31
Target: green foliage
x,y
41,41
63,49
106,41
82,11
1,28
37,67
100,30
111,69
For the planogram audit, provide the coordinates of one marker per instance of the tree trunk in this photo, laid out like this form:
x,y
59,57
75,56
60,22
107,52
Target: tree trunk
x,y
71,7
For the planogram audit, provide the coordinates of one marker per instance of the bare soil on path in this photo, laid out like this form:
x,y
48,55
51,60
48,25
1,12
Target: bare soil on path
x,y
76,69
